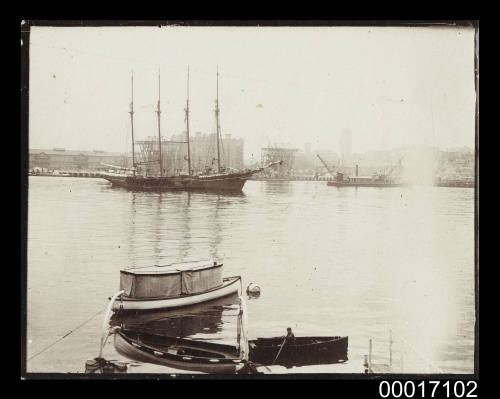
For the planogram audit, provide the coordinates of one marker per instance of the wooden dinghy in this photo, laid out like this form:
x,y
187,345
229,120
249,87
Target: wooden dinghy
x,y
300,351
183,354
173,286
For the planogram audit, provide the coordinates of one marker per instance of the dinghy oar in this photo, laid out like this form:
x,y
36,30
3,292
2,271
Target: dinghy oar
x,y
279,351
105,323
263,365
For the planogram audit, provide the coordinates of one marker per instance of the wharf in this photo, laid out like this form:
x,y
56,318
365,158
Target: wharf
x,y
293,178
464,184
402,358
70,174
461,184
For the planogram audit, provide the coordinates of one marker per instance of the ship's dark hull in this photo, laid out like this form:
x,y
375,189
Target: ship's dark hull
x,y
218,183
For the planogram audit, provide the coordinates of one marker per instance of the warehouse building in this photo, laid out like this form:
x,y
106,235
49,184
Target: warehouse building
x,y
67,160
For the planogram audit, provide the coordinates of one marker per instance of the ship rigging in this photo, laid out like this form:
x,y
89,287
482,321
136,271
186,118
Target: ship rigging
x,y
225,179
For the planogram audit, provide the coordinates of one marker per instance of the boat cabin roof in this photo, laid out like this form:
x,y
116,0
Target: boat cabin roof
x,y
172,268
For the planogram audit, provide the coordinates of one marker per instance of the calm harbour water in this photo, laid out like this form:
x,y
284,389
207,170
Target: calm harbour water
x,y
329,261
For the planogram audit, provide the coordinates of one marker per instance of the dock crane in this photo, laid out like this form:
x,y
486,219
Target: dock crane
x,y
326,165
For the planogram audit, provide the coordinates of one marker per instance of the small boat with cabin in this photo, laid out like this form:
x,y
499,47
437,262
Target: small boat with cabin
x,y
174,285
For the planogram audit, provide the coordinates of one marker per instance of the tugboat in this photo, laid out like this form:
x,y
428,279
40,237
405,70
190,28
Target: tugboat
x,y
375,180
224,180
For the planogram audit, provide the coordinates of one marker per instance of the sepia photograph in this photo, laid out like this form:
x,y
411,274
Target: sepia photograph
x,y
264,199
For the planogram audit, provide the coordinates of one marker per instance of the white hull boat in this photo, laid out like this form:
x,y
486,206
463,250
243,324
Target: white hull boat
x,y
230,286
174,285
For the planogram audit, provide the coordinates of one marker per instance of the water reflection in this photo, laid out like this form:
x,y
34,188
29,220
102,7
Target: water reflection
x,y
179,226
215,222
132,231
206,318
185,223
277,187
348,262
157,230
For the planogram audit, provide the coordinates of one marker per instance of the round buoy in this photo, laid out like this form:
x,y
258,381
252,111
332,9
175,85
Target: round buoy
x,y
253,289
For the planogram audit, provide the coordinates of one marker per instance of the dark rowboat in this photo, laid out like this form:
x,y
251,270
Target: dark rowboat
x,y
302,351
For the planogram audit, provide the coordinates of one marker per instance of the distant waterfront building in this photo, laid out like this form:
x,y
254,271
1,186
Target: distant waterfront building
x,y
308,164
68,160
233,151
456,164
203,151
274,154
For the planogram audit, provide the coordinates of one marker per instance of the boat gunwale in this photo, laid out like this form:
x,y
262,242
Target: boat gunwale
x,y
179,340
167,271
186,179
143,347
326,340
149,185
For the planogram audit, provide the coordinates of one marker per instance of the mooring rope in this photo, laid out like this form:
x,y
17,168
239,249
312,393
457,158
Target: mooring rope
x,y
105,323
67,334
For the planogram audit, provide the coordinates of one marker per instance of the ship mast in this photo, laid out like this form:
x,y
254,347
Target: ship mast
x,y
158,112
131,112
187,125
217,121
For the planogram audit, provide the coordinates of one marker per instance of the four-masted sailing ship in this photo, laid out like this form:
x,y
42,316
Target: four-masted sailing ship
x,y
222,180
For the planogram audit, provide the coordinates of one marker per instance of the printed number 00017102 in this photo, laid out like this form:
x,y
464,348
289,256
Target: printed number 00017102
x,y
408,389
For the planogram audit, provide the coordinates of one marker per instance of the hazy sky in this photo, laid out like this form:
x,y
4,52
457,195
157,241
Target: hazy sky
x,y
287,86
